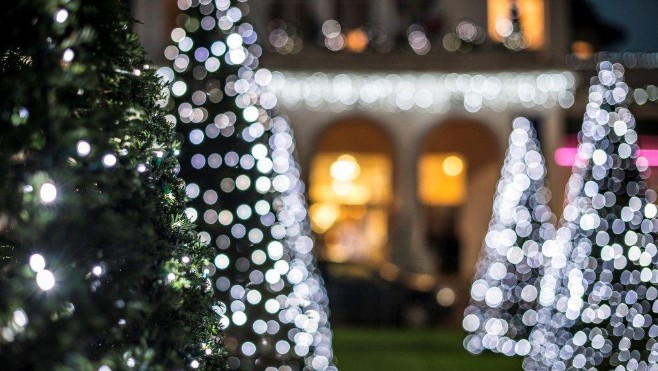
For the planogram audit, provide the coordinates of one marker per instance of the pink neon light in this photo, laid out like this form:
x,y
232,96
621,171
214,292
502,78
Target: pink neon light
x,y
566,156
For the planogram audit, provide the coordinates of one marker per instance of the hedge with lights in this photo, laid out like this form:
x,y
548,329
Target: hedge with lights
x,y
99,267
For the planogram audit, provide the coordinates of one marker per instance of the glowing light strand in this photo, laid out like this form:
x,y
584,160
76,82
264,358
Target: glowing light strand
x,y
431,92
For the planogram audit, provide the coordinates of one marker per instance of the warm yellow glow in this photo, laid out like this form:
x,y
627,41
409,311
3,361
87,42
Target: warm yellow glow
x,y
445,297
350,195
582,49
345,168
337,253
389,271
352,179
357,40
323,216
531,18
422,282
442,179
453,165
342,189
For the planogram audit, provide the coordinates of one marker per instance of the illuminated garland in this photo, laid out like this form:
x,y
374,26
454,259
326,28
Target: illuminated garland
x,y
431,92
246,193
505,290
599,295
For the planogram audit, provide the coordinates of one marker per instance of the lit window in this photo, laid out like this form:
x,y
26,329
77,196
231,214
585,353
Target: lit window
x,y
350,193
519,24
442,179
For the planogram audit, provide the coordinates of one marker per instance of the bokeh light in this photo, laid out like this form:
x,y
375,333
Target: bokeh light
x,y
432,92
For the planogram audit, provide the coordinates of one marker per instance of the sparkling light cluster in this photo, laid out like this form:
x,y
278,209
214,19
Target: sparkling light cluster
x,y
505,290
431,92
599,296
246,194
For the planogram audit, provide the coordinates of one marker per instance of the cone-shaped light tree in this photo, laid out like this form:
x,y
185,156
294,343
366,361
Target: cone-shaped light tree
x,y
506,286
238,161
602,286
99,267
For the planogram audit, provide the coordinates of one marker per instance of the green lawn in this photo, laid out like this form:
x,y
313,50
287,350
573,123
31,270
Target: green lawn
x,y
360,349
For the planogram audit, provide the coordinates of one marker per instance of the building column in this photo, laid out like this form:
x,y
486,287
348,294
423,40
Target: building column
x,y
408,241
154,33
553,137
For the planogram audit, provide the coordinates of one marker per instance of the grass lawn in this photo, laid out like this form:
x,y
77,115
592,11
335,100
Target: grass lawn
x,y
359,349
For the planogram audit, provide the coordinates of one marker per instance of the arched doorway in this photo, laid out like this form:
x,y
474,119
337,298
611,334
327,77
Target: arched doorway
x,y
350,191
458,167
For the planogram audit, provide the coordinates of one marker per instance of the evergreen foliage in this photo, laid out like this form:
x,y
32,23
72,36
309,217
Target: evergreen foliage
x,y
99,267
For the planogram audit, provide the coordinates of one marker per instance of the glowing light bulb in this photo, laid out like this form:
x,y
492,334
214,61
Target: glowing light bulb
x,y
109,160
61,16
37,263
345,168
234,41
83,147
250,113
453,165
45,280
48,193
97,270
20,318
68,55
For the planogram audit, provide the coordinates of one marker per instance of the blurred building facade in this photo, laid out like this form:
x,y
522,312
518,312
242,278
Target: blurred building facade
x,y
402,109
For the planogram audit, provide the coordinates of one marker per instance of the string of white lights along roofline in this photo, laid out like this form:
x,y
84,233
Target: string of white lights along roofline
x,y
435,92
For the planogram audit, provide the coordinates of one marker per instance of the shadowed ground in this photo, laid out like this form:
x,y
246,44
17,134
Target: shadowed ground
x,y
411,350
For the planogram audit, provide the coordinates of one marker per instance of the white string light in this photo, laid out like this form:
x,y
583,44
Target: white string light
x,y
432,92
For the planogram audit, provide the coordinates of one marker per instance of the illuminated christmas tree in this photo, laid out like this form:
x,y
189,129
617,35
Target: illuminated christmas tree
x,y
601,293
99,267
238,161
505,290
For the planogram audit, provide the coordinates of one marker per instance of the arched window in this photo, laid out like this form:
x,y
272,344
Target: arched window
x,y
350,192
458,168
